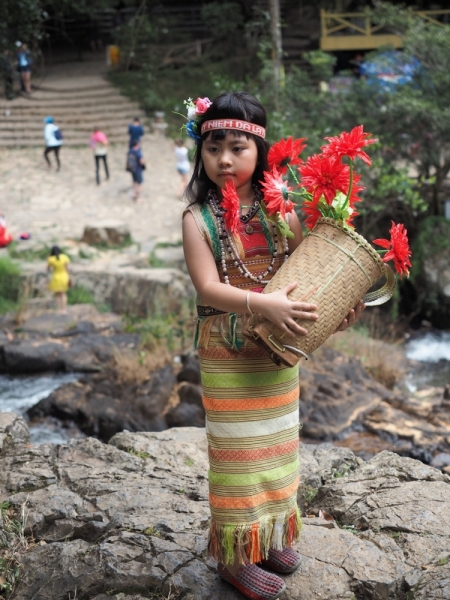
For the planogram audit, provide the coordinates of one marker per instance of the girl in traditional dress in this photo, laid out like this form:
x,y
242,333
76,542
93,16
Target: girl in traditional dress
x,y
252,411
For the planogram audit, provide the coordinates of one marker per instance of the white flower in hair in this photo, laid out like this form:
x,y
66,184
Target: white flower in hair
x,y
191,114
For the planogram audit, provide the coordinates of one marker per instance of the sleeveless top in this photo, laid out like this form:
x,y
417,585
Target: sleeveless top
x,y
256,250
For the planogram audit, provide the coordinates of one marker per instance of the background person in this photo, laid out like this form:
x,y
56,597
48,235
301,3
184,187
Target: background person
x,y
53,142
135,131
183,165
99,145
24,63
135,165
58,265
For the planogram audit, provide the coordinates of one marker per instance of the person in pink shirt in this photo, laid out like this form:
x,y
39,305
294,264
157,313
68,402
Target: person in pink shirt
x,y
99,144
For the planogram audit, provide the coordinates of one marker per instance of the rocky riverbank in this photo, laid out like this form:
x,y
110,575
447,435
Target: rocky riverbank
x,y
340,401
128,520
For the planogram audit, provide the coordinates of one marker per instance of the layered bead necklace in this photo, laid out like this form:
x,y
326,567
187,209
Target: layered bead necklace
x,y
226,240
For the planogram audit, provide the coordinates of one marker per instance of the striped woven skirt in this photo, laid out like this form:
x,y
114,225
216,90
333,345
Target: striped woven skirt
x,y
252,426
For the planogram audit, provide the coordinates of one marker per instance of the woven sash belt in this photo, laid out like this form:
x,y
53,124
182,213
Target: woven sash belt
x,y
208,311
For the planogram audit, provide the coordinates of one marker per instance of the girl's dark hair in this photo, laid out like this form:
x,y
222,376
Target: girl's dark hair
x,y
230,105
55,251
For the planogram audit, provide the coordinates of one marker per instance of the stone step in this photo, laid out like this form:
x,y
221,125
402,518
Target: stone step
x,y
110,123
97,86
77,104
39,142
58,104
44,96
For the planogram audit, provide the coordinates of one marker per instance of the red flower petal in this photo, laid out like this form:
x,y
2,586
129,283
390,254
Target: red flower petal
x,y
311,212
325,175
284,153
349,144
276,194
382,242
398,246
231,204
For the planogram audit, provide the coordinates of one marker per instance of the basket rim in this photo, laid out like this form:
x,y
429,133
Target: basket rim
x,y
355,236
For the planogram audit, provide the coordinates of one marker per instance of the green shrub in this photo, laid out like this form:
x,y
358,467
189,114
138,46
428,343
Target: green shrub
x,y
10,285
79,295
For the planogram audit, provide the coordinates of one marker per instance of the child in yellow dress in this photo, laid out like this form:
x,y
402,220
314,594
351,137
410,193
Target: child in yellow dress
x,y
59,283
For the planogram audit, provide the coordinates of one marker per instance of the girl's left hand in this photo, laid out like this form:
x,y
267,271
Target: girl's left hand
x,y
352,317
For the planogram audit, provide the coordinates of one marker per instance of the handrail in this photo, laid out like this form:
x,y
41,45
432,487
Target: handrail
x,y
339,31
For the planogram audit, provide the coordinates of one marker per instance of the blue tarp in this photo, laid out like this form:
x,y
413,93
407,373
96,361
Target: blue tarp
x,y
390,68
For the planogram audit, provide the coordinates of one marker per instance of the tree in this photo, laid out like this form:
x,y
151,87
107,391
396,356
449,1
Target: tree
x,y
277,49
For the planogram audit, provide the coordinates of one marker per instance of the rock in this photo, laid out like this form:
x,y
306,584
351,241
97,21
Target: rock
x,y
32,356
441,460
134,514
191,394
186,415
109,233
190,370
340,401
102,407
13,431
336,393
85,353
424,436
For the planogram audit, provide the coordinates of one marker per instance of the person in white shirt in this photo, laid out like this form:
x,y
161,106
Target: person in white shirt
x,y
53,141
183,165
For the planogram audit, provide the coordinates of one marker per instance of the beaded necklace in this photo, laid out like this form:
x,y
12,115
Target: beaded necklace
x,y
226,239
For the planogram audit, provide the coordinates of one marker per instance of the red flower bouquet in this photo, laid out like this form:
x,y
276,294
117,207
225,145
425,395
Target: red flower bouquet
x,y
334,266
327,186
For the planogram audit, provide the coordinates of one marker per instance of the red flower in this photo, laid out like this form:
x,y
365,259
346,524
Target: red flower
x,y
325,175
311,212
284,153
398,248
349,144
232,206
276,194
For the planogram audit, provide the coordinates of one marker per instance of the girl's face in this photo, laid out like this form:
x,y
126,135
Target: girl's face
x,y
232,159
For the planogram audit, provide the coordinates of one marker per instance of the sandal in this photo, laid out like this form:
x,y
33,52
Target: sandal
x,y
253,582
282,561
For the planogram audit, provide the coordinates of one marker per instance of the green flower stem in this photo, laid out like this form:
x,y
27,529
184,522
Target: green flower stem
x,y
293,174
347,200
381,251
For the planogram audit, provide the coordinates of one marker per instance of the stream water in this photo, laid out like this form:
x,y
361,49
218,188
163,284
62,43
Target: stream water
x,y
18,394
430,351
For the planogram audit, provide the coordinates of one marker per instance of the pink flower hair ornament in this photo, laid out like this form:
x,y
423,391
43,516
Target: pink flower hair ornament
x,y
195,109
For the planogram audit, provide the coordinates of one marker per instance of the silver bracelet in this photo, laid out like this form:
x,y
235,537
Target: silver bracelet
x,y
248,304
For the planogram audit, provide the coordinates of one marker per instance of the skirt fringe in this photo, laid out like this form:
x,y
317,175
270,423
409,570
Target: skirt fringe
x,y
251,543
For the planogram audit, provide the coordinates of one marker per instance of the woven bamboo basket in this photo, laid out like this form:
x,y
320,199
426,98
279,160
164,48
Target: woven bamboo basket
x,y
334,268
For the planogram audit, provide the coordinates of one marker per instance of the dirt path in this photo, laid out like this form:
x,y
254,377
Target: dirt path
x,y
56,206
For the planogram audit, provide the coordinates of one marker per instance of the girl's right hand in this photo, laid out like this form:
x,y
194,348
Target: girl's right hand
x,y
277,307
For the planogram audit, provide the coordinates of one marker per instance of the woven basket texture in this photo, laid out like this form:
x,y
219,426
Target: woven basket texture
x,y
333,268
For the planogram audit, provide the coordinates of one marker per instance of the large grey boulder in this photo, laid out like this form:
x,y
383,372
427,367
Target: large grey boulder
x,y
128,520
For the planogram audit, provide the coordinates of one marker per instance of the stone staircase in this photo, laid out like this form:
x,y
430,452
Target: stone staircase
x,y
78,100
